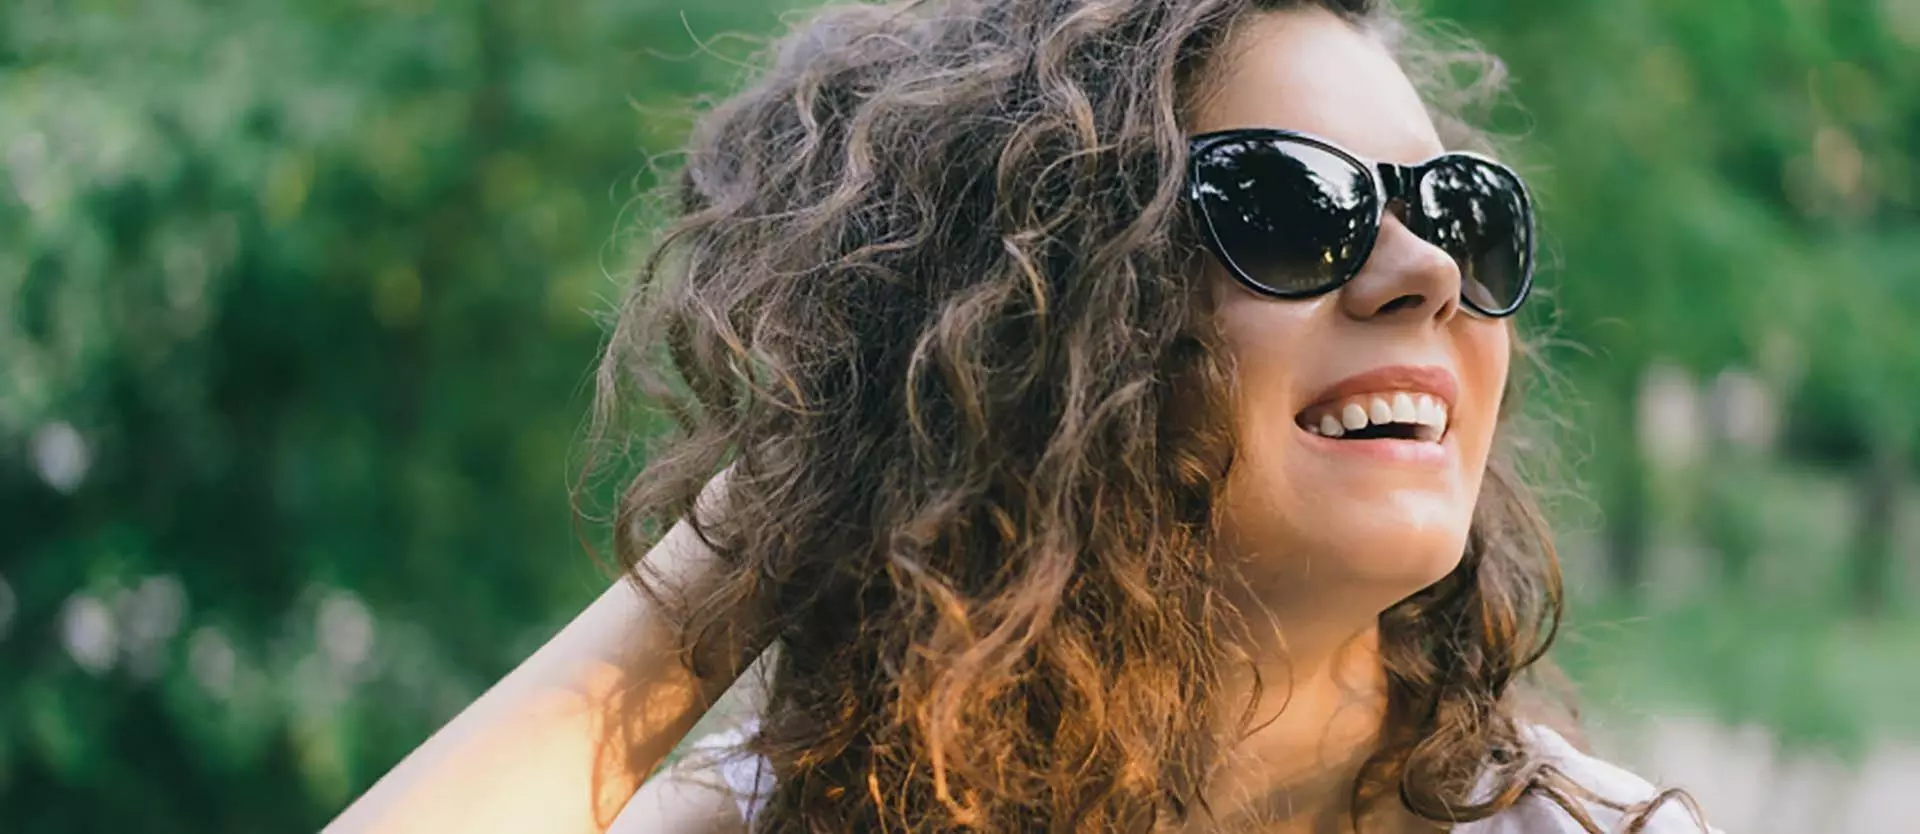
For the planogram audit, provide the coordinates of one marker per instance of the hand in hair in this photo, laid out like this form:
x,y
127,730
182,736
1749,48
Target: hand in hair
x,y
562,742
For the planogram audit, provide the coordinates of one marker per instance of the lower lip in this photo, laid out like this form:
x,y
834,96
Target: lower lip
x,y
1386,450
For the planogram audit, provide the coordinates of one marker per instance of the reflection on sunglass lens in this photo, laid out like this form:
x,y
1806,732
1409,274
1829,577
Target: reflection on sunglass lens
x,y
1477,212
1293,217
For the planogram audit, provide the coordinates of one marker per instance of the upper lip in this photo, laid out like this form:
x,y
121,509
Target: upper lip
x,y
1432,380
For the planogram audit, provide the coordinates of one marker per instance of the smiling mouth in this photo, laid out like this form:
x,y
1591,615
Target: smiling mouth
x,y
1387,415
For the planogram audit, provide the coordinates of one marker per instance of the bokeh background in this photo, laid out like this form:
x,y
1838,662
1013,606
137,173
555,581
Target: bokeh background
x,y
298,300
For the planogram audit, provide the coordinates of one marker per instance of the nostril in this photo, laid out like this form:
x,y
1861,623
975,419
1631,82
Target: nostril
x,y
1404,302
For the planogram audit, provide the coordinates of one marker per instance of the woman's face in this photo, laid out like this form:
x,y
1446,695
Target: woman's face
x,y
1323,524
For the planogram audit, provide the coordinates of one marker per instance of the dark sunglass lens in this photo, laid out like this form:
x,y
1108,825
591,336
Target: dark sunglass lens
x,y
1294,218
1477,211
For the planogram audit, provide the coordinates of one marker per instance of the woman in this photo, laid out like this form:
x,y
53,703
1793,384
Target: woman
x,y
1113,393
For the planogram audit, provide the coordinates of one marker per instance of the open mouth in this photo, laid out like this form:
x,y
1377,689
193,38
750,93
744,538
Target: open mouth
x,y
1395,415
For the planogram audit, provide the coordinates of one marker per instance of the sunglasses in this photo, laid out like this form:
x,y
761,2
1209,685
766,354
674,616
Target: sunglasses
x,y
1295,216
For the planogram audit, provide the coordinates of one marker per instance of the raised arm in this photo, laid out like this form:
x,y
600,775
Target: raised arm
x,y
532,754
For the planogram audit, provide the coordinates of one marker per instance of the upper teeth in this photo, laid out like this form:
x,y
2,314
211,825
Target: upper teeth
x,y
1425,412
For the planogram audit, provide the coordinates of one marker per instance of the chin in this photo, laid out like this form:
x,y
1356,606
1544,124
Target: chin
x,y
1413,541
1360,562
1385,568
1411,567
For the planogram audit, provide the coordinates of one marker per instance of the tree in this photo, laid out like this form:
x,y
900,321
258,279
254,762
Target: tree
x,y
299,318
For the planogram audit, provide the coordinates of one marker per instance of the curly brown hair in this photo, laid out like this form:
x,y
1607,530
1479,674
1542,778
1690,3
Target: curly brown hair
x,y
930,294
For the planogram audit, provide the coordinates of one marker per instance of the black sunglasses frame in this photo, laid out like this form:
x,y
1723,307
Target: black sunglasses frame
x,y
1391,181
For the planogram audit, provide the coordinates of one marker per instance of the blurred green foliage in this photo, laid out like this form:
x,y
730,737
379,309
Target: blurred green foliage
x,y
298,325
300,297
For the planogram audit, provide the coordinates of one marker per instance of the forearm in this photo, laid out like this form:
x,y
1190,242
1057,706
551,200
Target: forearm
x,y
562,742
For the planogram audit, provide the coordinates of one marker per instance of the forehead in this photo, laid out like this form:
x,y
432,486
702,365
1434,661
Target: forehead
x,y
1308,70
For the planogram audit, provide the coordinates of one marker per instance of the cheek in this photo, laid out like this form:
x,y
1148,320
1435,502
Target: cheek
x,y
1267,498
1268,340
1485,351
1268,344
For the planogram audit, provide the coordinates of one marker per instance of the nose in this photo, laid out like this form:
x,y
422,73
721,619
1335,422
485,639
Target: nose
x,y
1404,278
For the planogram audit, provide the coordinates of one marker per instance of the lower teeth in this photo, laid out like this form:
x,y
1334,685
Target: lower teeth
x,y
1396,431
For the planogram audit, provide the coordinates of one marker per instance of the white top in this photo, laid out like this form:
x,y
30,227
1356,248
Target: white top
x,y
750,781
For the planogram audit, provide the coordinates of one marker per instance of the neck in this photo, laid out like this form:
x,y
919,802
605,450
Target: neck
x,y
1318,713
